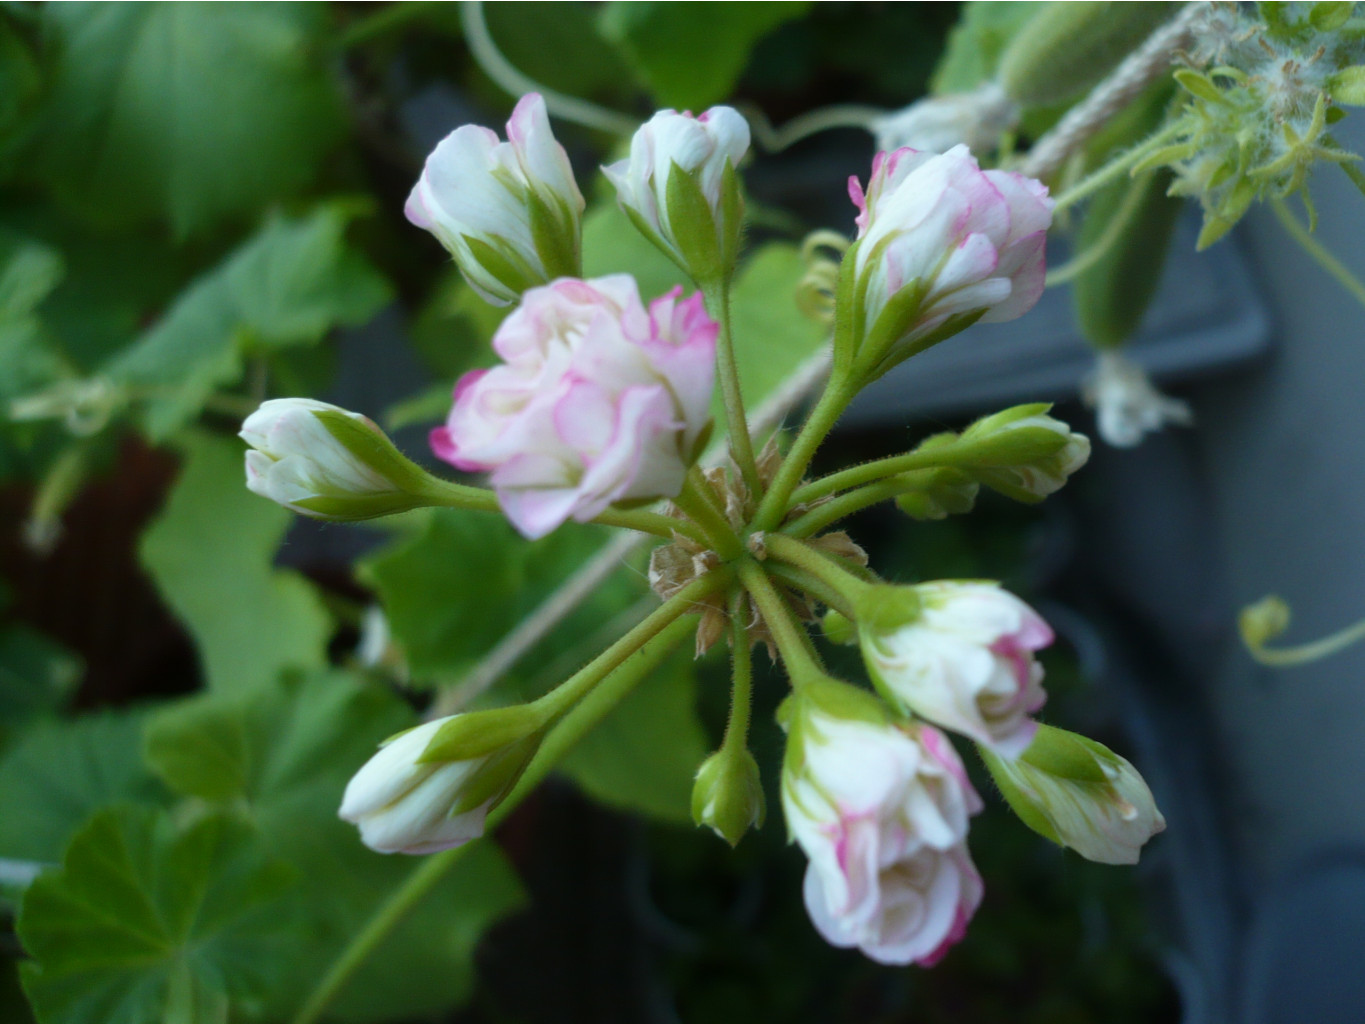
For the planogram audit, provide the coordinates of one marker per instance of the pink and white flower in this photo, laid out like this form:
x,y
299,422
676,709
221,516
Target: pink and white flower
x,y
882,813
598,400
961,655
969,242
509,212
705,148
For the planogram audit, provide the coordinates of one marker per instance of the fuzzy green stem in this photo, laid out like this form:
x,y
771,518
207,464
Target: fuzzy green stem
x,y
644,521
727,369
811,585
845,505
954,454
1317,251
741,678
822,566
1116,167
563,697
560,740
833,401
792,642
715,528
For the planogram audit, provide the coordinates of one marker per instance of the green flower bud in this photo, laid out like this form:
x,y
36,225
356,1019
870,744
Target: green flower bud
x,y
728,795
1023,453
938,493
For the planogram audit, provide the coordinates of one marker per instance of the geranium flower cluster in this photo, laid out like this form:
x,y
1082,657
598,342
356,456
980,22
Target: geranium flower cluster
x,y
601,406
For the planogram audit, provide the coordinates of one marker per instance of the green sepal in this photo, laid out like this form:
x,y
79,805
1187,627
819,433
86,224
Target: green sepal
x,y
953,325
703,439
479,733
729,782
1067,755
693,227
896,320
838,699
732,219
358,508
885,608
1200,85
937,493
846,314
1330,15
1017,798
505,266
494,779
372,447
643,226
554,233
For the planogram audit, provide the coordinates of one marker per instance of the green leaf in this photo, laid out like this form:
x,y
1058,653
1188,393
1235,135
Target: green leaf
x,y
691,54
453,590
644,755
210,552
29,271
21,83
289,750
291,283
559,46
189,113
146,921
36,677
59,773
1330,15
975,43
772,337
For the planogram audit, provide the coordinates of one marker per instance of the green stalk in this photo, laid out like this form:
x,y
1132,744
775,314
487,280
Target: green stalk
x,y
828,409
1317,251
1283,657
791,639
741,678
811,585
727,369
823,567
644,521
1116,167
880,469
845,505
715,529
559,741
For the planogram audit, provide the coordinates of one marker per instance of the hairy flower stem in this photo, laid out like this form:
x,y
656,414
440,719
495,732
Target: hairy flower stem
x,y
811,585
741,677
846,505
558,742
823,567
563,697
716,531
793,644
727,370
1116,167
833,401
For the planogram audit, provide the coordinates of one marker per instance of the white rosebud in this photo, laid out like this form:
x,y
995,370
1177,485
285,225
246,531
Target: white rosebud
x,y
404,803
882,813
322,461
1024,453
959,654
679,187
936,124
509,212
1080,794
1127,406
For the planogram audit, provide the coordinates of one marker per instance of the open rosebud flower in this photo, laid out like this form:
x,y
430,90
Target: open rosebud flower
x,y
1024,453
936,124
326,462
509,212
680,189
599,400
1080,794
942,244
881,811
1127,405
959,654
405,804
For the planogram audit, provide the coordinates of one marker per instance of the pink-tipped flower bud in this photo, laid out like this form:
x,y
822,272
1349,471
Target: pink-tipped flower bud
x,y
959,654
598,400
509,212
941,244
882,812
679,187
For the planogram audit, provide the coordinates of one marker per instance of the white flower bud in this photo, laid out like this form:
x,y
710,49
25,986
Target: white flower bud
x,y
1080,794
322,461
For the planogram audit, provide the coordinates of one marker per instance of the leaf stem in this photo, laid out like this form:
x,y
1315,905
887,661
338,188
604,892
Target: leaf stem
x,y
821,566
741,677
1116,167
880,469
727,369
1113,231
845,505
812,585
